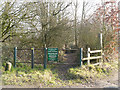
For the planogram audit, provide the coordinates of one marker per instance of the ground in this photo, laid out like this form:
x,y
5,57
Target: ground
x,y
111,81
62,70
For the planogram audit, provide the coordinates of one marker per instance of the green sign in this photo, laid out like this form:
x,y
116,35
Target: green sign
x,y
52,54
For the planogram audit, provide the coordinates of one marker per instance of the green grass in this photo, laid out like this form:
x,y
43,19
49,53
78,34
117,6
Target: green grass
x,y
24,75
86,73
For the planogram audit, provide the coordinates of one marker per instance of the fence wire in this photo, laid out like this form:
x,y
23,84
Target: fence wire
x,y
23,55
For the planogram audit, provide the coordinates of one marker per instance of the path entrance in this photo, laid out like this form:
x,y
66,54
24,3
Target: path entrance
x,y
70,60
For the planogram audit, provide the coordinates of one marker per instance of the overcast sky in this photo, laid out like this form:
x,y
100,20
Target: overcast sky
x,y
92,3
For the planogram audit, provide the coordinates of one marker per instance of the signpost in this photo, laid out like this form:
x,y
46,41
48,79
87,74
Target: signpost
x,y
52,54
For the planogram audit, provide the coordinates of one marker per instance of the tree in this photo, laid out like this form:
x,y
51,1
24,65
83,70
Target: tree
x,y
11,16
49,22
87,29
75,22
106,15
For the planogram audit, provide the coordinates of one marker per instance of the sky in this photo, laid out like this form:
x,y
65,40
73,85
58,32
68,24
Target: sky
x,y
92,4
93,1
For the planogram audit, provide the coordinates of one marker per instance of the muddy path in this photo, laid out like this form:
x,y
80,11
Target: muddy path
x,y
110,81
107,82
70,61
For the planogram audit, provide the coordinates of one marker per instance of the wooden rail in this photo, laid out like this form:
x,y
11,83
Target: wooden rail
x,y
95,51
90,58
97,57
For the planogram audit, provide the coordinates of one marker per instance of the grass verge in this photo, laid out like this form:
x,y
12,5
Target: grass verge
x,y
24,75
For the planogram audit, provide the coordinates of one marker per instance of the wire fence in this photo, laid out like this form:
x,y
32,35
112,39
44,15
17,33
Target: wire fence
x,y
33,56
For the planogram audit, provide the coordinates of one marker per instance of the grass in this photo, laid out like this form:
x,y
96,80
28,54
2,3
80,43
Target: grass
x,y
24,75
91,72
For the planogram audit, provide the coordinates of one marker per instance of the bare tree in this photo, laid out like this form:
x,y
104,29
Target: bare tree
x,y
11,15
48,22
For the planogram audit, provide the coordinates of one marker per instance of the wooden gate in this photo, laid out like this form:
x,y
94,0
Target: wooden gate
x,y
89,57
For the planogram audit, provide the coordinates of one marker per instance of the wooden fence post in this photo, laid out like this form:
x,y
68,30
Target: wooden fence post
x,y
81,56
102,56
88,56
15,56
32,58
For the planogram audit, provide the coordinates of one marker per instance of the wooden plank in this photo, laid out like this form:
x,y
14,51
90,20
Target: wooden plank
x,y
95,51
102,57
92,58
96,57
88,56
